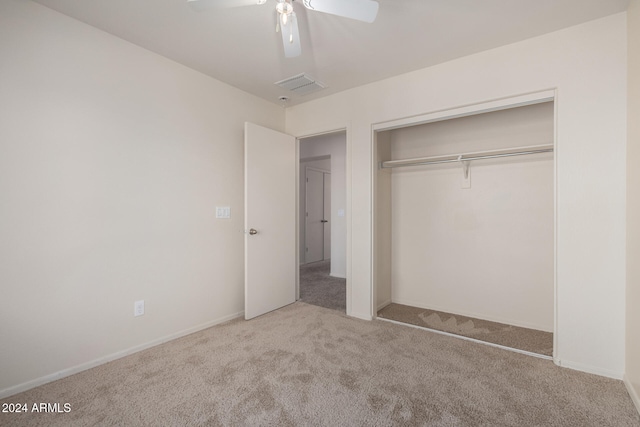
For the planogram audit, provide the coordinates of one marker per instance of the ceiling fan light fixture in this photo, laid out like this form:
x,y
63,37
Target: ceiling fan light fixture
x,y
285,10
286,20
284,7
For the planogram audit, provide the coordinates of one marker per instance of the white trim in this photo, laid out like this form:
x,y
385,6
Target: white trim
x,y
315,169
346,128
556,341
348,194
361,316
312,134
118,355
373,256
462,337
297,209
589,369
633,393
383,305
314,158
469,110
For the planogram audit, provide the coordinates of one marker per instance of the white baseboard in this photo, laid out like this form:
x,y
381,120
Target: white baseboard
x,y
361,316
589,369
383,305
101,360
633,393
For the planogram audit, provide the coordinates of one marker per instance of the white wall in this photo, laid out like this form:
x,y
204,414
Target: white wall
x,y
334,145
587,65
632,374
484,251
112,161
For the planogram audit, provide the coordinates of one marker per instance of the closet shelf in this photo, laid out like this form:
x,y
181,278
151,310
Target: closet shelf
x,y
466,157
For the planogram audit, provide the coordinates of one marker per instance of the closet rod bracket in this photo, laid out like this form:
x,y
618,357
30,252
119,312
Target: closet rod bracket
x,y
466,178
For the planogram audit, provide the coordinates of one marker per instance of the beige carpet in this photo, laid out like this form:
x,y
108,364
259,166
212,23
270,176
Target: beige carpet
x,y
309,366
531,340
317,287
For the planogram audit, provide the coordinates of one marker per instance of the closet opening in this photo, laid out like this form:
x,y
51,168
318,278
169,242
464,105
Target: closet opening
x,y
464,225
322,225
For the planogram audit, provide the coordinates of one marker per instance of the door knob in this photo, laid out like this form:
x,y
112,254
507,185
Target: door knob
x,y
324,220
253,231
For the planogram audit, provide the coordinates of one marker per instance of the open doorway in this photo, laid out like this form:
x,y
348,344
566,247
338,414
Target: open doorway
x,y
322,220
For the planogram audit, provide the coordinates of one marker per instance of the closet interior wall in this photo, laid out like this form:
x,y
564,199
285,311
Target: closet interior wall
x,y
486,251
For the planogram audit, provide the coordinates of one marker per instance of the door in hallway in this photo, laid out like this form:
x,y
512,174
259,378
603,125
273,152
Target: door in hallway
x,y
317,215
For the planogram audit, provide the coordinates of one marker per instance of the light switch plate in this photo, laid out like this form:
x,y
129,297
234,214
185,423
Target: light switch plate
x,y
223,212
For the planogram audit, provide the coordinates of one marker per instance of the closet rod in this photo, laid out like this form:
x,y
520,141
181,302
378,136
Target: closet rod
x,y
465,157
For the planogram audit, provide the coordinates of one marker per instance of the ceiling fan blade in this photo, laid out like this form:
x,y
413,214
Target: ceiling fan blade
x,y
361,10
200,5
291,37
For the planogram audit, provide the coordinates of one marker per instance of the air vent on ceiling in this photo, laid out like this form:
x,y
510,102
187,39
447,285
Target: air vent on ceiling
x,y
301,84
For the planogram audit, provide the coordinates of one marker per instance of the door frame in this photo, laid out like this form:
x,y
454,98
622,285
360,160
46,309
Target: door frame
x,y
346,128
306,194
514,101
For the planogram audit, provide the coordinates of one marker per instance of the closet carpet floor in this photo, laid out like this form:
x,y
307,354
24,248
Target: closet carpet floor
x,y
530,340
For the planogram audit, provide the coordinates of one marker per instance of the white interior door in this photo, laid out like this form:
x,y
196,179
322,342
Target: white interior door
x,y
314,215
270,220
327,216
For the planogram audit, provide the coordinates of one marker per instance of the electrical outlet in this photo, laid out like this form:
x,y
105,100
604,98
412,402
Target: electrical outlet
x,y
138,308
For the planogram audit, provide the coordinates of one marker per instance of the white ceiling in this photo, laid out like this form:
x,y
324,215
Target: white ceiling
x,y
239,46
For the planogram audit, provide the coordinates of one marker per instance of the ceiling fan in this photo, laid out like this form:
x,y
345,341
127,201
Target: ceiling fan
x,y
287,23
